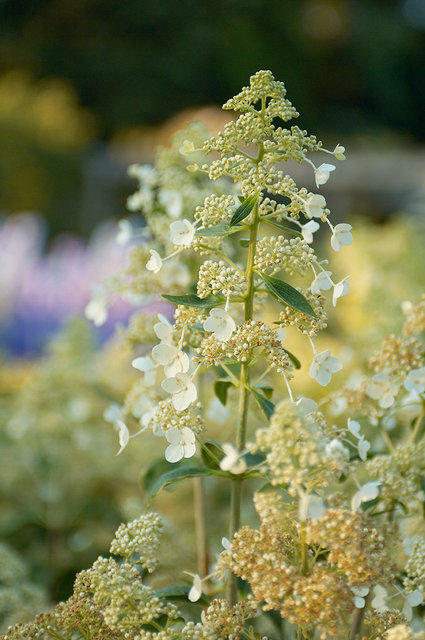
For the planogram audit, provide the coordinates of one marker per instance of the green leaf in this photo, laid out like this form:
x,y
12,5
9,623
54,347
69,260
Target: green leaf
x,y
244,210
210,452
266,405
268,391
294,232
293,359
283,291
220,390
191,300
157,469
244,242
177,475
179,592
234,367
218,230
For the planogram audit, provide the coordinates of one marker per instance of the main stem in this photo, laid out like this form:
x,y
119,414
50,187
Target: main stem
x,y
236,487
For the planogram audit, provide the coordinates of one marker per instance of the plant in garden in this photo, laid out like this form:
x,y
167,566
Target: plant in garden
x,y
339,549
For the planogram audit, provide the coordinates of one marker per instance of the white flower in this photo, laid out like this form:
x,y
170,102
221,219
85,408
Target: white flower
x,y
308,229
113,413
226,544
323,366
196,589
415,380
96,311
145,365
125,232
182,444
306,406
360,593
322,173
310,507
144,173
339,152
353,427
341,235
340,289
123,435
187,148
314,206
141,199
322,282
182,389
163,329
172,202
363,447
415,598
155,262
232,460
382,388
221,323
380,599
366,493
217,412
171,358
182,232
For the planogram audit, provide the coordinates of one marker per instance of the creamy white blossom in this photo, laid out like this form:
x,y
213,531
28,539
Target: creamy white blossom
x,y
308,229
339,152
171,358
340,289
382,388
140,200
97,311
182,233
163,329
172,202
306,406
182,389
415,380
182,444
379,602
321,174
360,593
125,232
353,427
311,507
187,148
323,366
195,591
147,367
221,323
314,206
363,447
155,262
145,173
341,235
322,282
123,435
232,460
366,493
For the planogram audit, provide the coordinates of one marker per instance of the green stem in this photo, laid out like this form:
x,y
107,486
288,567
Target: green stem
x,y
417,426
200,527
236,487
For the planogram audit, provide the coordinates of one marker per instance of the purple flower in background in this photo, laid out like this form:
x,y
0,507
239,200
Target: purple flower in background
x,y
39,291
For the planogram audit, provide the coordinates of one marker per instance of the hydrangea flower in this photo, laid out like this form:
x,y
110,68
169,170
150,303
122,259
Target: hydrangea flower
x,y
308,229
339,152
323,366
147,367
340,289
182,233
314,206
360,593
171,358
322,282
322,173
363,447
366,493
306,406
163,329
382,388
187,148
195,591
123,435
311,507
415,380
232,460
97,311
221,323
379,602
341,235
154,263
182,389
182,444
125,232
172,202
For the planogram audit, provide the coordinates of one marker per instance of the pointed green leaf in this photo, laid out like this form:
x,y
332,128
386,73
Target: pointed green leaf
x,y
191,300
177,475
244,210
290,230
268,391
244,242
283,291
218,230
293,359
210,453
266,405
220,390
158,468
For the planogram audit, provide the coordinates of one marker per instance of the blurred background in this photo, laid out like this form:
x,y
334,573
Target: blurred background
x,y
88,87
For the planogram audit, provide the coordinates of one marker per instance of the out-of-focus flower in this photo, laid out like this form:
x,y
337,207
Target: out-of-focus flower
x,y
382,388
182,444
146,366
125,232
306,406
154,263
172,202
311,507
379,602
322,173
415,380
187,148
97,311
323,366
232,460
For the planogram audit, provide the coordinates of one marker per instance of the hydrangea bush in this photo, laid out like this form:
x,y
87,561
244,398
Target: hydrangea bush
x,y
338,548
